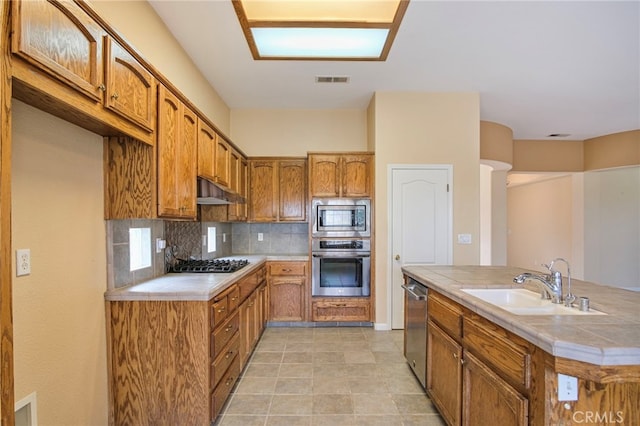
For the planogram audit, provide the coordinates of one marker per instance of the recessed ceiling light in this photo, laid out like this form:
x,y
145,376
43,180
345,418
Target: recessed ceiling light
x,y
320,30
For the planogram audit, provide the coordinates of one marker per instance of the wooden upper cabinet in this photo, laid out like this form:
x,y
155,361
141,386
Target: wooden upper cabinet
x,y
292,185
341,175
207,139
38,30
357,175
130,88
177,151
223,157
263,192
278,190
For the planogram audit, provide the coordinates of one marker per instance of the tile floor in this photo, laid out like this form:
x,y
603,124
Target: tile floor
x,y
328,376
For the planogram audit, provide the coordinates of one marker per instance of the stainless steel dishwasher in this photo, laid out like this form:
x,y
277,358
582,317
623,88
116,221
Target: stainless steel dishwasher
x,y
415,328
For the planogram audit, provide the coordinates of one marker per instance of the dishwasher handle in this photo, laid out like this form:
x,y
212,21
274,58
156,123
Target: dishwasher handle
x,y
413,293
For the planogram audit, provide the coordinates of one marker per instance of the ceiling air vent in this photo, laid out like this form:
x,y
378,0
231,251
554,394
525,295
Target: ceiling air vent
x,y
331,79
558,135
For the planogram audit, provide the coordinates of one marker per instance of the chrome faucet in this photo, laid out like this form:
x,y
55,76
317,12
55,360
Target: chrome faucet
x,y
569,298
551,284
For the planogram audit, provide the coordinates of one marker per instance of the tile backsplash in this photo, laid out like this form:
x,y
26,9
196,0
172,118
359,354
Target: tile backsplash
x,y
185,240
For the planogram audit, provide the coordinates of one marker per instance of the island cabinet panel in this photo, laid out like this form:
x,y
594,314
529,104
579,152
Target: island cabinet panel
x,y
444,378
177,155
488,399
69,65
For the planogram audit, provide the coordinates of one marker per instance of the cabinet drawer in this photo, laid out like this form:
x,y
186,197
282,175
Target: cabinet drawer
x,y
222,391
288,268
341,310
223,361
506,353
445,313
223,305
247,285
223,334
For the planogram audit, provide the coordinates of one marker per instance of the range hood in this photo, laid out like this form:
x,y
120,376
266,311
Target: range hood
x,y
212,194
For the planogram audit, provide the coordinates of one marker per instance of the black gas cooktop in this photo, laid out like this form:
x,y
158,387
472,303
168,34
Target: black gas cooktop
x,y
210,265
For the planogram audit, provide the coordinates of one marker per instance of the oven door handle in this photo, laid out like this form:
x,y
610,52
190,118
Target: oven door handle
x,y
342,255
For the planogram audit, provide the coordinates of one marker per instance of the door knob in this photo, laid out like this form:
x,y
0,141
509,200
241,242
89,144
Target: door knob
x,y
397,257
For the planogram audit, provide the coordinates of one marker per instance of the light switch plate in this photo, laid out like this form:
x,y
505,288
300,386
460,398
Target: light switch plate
x,y
23,262
464,238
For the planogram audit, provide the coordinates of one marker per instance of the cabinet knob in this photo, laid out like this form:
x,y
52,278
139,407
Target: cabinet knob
x,y
455,355
115,96
397,257
221,310
102,87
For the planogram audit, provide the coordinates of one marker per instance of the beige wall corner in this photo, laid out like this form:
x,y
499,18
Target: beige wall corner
x,y
496,142
615,150
547,156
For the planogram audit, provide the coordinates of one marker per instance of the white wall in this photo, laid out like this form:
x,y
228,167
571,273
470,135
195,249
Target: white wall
x,y
612,227
540,223
58,310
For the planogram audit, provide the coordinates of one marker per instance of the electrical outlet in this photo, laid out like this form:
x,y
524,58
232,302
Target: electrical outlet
x,y
567,388
464,238
260,236
23,262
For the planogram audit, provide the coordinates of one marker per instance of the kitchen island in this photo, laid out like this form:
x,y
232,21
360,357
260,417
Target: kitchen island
x,y
484,362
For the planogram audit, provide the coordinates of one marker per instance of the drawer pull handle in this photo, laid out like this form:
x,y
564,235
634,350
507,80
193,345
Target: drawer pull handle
x,y
229,354
462,361
286,270
222,310
455,356
339,305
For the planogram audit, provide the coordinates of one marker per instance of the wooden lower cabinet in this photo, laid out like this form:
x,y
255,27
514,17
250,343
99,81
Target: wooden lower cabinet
x,y
444,373
341,309
287,291
477,372
488,399
176,362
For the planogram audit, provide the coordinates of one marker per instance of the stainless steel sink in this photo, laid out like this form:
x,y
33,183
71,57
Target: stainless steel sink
x,y
520,301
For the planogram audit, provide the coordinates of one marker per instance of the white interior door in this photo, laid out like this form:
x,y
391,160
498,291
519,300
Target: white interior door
x,y
421,224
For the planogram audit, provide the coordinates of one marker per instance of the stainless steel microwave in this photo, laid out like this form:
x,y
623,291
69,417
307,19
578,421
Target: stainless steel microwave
x,y
341,217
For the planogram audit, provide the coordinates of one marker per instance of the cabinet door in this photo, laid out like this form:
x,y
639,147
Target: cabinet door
x,y
177,134
247,328
324,175
62,40
130,88
263,190
356,175
292,190
222,155
286,299
206,150
487,399
444,374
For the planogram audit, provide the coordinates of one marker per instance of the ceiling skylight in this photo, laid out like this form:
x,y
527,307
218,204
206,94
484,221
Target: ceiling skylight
x,y
320,30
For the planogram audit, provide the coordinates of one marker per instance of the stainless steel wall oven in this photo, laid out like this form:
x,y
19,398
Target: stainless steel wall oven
x,y
341,267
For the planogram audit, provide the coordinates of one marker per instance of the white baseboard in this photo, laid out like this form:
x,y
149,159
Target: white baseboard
x,y
381,326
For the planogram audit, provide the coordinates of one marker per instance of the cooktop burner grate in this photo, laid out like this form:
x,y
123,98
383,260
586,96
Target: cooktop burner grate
x,y
210,265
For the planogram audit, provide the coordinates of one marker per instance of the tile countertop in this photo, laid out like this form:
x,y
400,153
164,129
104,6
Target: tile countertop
x,y
193,286
612,339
